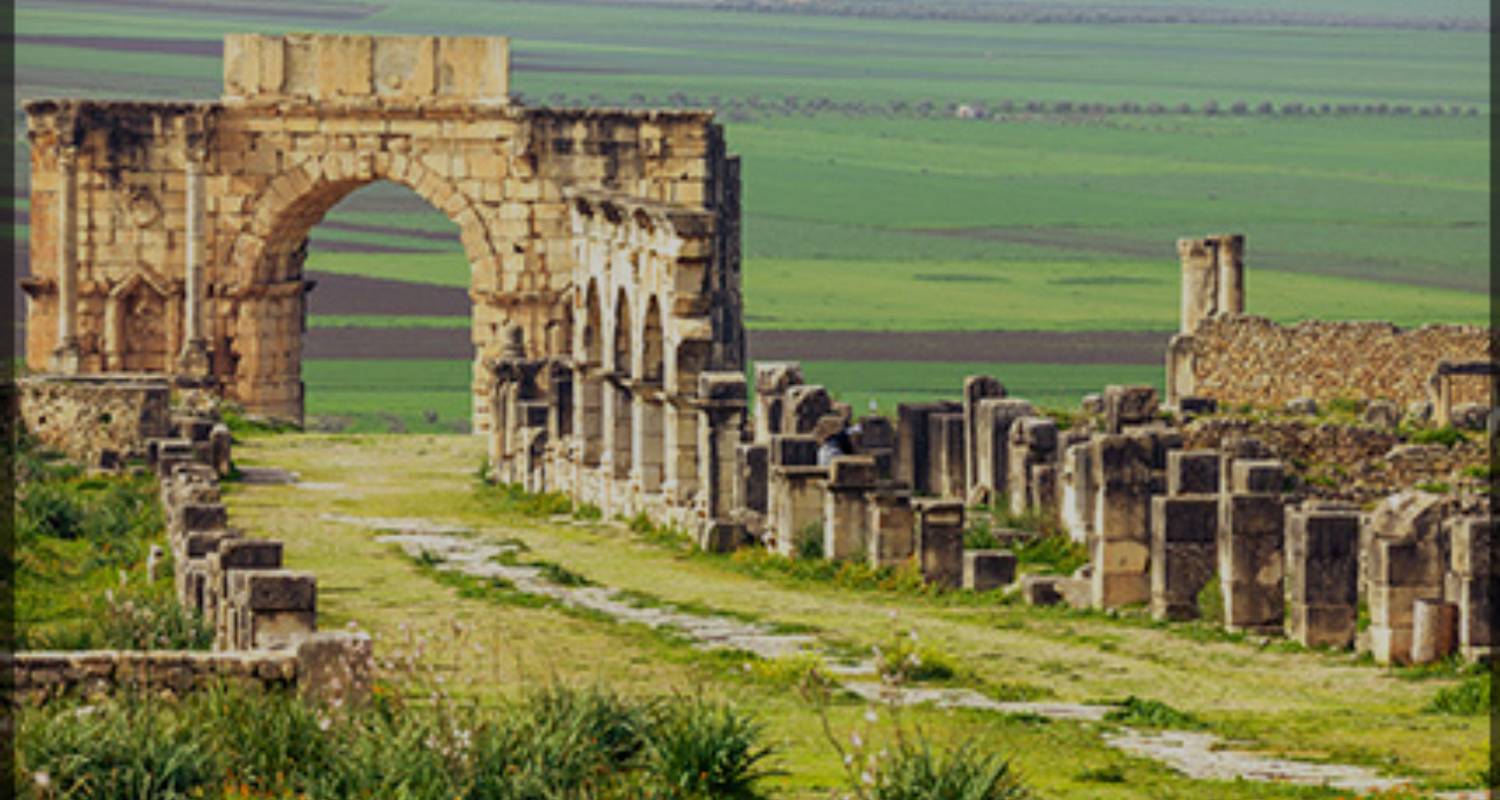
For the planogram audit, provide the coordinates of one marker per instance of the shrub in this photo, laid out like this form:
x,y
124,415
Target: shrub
x,y
904,658
1055,553
555,742
1151,714
1211,602
1446,436
1470,698
705,749
914,772
808,542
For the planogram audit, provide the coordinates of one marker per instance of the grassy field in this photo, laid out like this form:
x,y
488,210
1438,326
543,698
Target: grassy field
x,y
868,205
1310,705
427,396
433,396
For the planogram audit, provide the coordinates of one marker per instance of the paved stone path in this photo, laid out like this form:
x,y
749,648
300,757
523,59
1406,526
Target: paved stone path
x,y
1196,754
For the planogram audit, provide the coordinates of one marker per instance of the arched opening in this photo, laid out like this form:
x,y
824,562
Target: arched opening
x,y
589,387
622,445
650,409
365,322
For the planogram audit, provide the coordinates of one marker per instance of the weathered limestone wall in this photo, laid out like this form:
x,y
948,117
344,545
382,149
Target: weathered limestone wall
x,y
1247,359
170,237
328,665
96,419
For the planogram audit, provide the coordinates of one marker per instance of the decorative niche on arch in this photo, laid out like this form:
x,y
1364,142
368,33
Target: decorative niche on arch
x,y
140,324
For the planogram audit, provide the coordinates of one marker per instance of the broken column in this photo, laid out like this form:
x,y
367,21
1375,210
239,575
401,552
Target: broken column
x,y
721,420
1122,516
1076,482
275,609
1200,284
1184,530
892,527
1406,560
912,458
945,449
805,407
1250,540
940,541
1322,565
1230,256
1128,405
794,498
992,447
1031,450
976,389
877,439
1470,583
846,514
772,379
752,463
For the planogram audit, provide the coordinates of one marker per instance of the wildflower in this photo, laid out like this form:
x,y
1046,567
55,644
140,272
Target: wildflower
x,y
870,715
42,780
856,740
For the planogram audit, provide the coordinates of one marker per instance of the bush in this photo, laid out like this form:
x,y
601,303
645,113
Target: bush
x,y
1151,714
914,772
1054,553
1211,602
556,742
704,749
808,542
1468,699
904,658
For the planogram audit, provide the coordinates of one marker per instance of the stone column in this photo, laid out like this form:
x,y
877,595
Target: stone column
x,y
940,541
1251,545
721,418
1322,552
65,358
1231,261
976,388
647,428
1200,284
846,514
680,439
1121,552
194,357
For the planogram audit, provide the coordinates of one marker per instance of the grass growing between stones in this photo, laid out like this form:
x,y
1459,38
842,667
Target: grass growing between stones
x,y
1308,705
79,559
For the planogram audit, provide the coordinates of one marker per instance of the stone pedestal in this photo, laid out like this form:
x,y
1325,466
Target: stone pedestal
x,y
846,515
988,570
892,528
940,541
1323,576
1251,562
1122,517
1184,533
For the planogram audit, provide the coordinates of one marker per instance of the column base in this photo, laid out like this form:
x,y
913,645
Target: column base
x,y
66,358
194,359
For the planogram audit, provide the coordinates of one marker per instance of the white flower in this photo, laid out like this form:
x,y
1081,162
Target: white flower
x,y
866,778
848,759
870,715
856,740
42,780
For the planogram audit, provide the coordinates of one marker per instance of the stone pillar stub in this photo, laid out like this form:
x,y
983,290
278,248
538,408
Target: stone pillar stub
x,y
976,389
1200,281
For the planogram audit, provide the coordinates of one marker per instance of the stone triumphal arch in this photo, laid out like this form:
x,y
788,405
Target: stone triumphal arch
x,y
169,237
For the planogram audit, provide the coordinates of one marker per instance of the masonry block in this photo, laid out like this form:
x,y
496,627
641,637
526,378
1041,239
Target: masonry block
x,y
987,570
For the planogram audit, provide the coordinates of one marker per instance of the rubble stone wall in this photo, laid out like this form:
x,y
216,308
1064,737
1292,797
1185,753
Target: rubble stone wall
x,y
41,675
96,418
1247,359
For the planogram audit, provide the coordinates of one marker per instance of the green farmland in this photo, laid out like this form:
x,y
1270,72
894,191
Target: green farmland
x,y
1347,140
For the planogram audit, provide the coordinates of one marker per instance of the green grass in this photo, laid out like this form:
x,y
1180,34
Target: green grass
x,y
1303,704
889,383
80,552
401,395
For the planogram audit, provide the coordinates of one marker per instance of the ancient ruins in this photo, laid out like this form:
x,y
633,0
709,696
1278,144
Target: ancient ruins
x,y
611,363
170,237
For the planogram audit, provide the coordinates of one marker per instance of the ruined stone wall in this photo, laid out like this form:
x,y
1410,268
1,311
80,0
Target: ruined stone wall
x,y
42,675
1247,359
96,419
170,237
